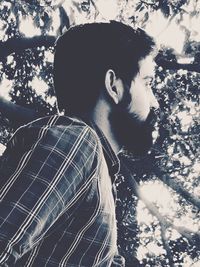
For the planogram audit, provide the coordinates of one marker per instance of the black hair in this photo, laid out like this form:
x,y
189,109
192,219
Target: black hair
x,y
83,55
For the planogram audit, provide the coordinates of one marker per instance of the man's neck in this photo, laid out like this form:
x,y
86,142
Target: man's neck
x,y
101,119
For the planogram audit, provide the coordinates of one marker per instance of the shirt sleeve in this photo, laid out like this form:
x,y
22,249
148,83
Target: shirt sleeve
x,y
50,177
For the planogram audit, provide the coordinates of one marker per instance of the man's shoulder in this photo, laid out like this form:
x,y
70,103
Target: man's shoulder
x,y
60,125
56,120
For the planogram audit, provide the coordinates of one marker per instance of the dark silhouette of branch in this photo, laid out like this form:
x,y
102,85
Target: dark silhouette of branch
x,y
166,64
96,9
20,44
64,20
154,5
16,114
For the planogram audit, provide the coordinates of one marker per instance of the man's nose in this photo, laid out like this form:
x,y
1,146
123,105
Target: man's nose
x,y
153,101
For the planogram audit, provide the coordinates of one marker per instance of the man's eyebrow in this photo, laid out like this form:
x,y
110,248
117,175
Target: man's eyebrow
x,y
149,76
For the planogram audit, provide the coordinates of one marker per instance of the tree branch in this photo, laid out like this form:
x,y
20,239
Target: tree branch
x,y
166,64
155,6
95,7
18,115
64,20
19,44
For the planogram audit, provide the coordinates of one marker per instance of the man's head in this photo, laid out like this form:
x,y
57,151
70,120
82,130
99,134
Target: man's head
x,y
85,53
133,119
104,57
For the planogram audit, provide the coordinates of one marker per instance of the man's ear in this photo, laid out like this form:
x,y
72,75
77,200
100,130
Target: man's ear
x,y
114,86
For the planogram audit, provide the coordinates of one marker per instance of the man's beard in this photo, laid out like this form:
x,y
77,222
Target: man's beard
x,y
132,133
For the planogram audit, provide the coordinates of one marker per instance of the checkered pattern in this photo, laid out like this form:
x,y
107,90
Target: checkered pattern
x,y
56,201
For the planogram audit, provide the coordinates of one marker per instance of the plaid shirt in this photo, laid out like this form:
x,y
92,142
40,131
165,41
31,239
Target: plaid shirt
x,y
56,201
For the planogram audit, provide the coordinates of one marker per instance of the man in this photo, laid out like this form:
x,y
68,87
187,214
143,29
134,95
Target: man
x,y
57,183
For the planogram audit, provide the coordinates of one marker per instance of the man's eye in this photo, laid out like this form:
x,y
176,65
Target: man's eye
x,y
148,81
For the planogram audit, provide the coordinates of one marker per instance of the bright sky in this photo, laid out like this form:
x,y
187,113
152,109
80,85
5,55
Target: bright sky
x,y
107,8
2,149
28,28
161,195
7,86
166,201
39,86
165,32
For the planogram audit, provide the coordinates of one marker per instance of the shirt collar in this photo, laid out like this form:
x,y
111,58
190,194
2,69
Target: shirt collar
x,y
111,158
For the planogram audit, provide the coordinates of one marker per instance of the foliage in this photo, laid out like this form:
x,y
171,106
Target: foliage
x,y
158,195
173,220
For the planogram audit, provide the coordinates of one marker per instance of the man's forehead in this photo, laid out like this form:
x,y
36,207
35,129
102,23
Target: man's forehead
x,y
147,66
